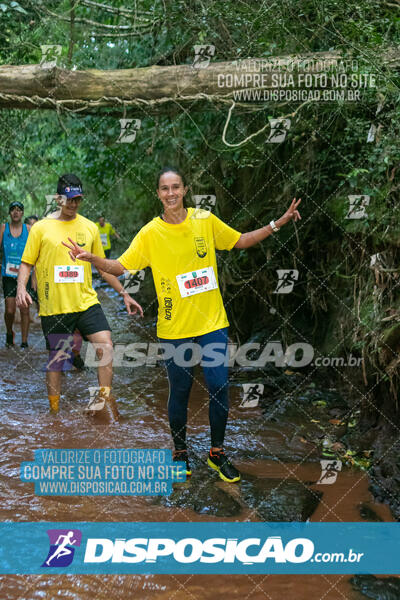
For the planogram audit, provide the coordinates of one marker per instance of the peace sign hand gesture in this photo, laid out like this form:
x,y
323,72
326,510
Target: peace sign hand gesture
x,y
76,253
291,213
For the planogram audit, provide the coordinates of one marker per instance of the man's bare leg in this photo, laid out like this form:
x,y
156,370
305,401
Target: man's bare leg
x,y
24,324
104,352
53,382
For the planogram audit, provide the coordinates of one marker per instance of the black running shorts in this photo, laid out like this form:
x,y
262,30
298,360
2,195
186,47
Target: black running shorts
x,y
10,287
86,322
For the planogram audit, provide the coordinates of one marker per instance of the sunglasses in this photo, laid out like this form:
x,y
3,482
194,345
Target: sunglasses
x,y
77,199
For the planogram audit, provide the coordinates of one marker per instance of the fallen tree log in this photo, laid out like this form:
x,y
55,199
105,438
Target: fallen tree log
x,y
37,87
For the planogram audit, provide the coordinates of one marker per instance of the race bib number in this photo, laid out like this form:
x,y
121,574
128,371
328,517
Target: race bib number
x,y
197,282
104,240
12,270
68,274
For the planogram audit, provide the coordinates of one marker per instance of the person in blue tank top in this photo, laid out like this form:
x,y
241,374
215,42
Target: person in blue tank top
x,y
13,237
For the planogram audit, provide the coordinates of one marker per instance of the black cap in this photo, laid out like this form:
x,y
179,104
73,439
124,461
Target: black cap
x,y
15,204
69,185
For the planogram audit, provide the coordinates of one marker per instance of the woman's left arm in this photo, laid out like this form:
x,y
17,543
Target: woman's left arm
x,y
251,238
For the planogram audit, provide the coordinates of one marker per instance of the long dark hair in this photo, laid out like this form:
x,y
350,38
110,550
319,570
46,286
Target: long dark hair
x,y
177,171
169,169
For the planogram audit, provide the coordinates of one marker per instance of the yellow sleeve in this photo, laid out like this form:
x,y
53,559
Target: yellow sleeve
x,y
137,256
112,230
225,237
97,246
32,247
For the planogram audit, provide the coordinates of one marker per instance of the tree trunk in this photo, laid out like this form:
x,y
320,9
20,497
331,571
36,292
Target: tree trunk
x,y
32,86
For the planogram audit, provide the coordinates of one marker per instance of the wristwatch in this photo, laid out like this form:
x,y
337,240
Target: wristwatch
x,y
274,227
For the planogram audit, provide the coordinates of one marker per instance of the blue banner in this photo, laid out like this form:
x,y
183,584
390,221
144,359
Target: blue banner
x,y
103,472
174,548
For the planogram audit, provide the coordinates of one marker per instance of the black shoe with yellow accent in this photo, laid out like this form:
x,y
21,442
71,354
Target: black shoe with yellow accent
x,y
217,460
182,456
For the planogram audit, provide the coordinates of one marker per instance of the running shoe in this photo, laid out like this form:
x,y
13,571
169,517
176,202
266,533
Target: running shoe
x,y
226,470
182,456
9,339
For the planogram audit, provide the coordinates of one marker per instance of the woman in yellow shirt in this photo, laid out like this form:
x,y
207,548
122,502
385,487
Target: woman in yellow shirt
x,y
180,246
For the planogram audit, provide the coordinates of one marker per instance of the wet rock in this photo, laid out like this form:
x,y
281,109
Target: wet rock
x,y
279,499
202,494
274,379
385,473
338,447
359,439
387,588
308,400
367,513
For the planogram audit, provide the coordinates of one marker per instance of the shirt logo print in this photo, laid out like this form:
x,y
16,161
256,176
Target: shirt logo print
x,y
201,247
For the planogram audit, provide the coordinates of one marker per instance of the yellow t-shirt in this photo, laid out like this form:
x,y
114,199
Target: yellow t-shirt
x,y
58,292
172,250
105,233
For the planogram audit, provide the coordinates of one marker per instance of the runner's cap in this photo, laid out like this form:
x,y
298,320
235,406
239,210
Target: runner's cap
x,y
15,204
71,191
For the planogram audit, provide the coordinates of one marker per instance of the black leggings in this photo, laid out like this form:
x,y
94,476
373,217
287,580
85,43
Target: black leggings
x,y
181,378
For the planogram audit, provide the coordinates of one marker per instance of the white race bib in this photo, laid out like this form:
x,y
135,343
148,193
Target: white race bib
x,y
197,282
12,270
104,239
68,274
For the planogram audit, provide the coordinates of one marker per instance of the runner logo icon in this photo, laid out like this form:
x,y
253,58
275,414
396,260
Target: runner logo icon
x,y
205,202
203,54
252,393
133,280
50,54
129,128
61,551
287,279
357,207
279,129
330,470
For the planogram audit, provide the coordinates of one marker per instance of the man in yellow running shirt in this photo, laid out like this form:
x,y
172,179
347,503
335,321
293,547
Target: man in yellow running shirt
x,y
67,299
106,230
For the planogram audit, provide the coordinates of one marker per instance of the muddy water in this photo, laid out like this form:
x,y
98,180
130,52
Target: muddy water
x,y
266,451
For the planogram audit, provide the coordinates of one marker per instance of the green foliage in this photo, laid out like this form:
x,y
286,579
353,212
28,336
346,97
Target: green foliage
x,y
324,158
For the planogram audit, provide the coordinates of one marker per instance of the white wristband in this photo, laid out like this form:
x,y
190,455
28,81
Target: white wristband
x,y
273,226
